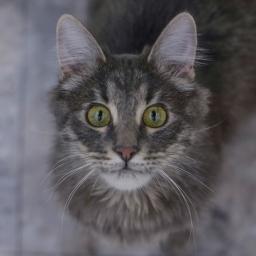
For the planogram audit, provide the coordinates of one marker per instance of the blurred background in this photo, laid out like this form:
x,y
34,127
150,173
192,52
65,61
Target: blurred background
x,y
30,217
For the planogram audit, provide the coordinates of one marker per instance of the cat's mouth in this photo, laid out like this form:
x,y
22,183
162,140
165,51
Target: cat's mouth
x,y
128,170
126,179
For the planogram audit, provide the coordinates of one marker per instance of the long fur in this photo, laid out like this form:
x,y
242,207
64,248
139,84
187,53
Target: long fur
x,y
185,153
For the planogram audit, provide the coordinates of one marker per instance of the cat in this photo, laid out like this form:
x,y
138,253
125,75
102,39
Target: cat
x,y
141,113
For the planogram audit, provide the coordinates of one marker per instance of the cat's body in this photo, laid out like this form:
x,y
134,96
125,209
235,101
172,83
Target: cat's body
x,y
149,204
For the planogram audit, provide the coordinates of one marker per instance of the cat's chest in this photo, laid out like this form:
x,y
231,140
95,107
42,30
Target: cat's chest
x,y
107,245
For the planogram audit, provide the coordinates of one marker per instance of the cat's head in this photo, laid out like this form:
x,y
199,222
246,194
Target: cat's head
x,y
128,118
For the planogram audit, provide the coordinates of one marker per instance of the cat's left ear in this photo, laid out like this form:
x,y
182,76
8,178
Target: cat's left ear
x,y
174,52
76,47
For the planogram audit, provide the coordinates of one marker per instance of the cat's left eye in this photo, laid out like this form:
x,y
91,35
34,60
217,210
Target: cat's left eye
x,y
98,116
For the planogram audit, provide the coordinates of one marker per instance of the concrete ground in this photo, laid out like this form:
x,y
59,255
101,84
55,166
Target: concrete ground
x,y
30,222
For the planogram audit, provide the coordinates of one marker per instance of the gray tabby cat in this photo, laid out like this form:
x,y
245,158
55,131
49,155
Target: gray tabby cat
x,y
137,144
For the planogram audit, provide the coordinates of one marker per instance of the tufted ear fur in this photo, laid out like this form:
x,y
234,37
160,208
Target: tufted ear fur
x,y
175,49
76,47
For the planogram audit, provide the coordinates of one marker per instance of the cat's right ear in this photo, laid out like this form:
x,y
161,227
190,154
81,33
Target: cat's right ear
x,y
77,49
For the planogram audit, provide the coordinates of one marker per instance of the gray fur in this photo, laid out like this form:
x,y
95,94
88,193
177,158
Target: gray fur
x,y
156,208
182,157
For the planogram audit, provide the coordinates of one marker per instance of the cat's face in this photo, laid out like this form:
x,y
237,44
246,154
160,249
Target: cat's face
x,y
128,119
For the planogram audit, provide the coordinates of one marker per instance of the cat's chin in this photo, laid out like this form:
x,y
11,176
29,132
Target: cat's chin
x,y
126,181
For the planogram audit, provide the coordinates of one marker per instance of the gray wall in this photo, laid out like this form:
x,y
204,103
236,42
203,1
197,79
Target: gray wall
x,y
30,219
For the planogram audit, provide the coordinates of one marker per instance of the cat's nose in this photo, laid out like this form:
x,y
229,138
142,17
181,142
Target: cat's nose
x,y
126,153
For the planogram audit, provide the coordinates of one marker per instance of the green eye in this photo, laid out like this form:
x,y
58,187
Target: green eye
x,y
98,116
155,116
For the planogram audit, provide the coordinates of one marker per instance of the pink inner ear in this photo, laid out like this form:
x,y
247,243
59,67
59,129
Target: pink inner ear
x,y
187,71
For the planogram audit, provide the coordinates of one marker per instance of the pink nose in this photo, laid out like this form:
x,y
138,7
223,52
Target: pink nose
x,y
126,153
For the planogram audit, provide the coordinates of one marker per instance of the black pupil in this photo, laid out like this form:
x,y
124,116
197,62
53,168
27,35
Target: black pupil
x,y
100,115
154,116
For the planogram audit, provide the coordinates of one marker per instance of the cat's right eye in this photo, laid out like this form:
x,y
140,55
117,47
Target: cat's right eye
x,y
155,116
98,116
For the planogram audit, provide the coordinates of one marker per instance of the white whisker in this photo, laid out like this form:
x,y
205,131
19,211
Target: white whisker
x,y
209,127
192,176
58,165
185,198
69,174
179,169
79,184
62,163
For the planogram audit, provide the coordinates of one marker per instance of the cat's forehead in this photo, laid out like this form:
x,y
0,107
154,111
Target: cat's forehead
x,y
126,83
132,94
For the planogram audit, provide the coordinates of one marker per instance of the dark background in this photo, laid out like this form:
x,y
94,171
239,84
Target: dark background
x,y
30,217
